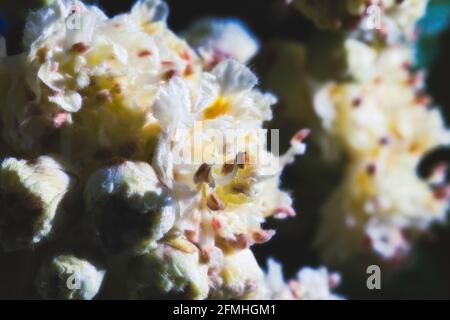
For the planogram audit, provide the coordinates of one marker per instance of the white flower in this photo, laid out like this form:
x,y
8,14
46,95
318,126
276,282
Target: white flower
x,y
387,240
150,10
240,278
107,71
71,102
234,77
216,39
113,95
173,106
388,20
384,126
310,284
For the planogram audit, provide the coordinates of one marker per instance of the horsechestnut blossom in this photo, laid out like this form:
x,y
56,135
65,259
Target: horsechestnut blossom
x,y
373,125
173,178
385,125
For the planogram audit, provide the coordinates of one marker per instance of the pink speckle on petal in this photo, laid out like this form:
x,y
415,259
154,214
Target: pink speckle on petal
x,y
54,67
294,286
167,63
442,193
144,53
216,224
283,212
334,280
60,119
263,236
185,55
192,235
301,135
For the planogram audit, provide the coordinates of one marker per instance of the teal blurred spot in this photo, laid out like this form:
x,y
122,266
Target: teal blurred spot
x,y
430,28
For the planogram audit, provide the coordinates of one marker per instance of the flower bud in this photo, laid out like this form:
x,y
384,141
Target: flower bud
x,y
129,208
168,272
66,277
31,200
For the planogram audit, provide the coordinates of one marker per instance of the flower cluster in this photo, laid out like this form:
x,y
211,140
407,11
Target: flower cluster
x,y
372,122
115,103
381,20
384,124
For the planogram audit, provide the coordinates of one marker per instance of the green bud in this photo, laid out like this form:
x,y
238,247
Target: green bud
x,y
66,277
130,210
31,200
168,273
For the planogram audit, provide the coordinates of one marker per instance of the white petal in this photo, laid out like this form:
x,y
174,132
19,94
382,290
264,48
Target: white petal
x,y
53,80
209,91
275,279
173,105
70,101
52,17
83,27
234,77
150,10
162,161
228,37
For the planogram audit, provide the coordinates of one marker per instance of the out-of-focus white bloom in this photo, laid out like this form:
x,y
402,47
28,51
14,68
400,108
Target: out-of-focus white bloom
x,y
361,59
375,209
388,20
384,125
373,123
387,105
217,39
310,284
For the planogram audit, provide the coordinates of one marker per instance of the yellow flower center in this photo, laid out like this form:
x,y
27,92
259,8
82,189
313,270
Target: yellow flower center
x,y
220,107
